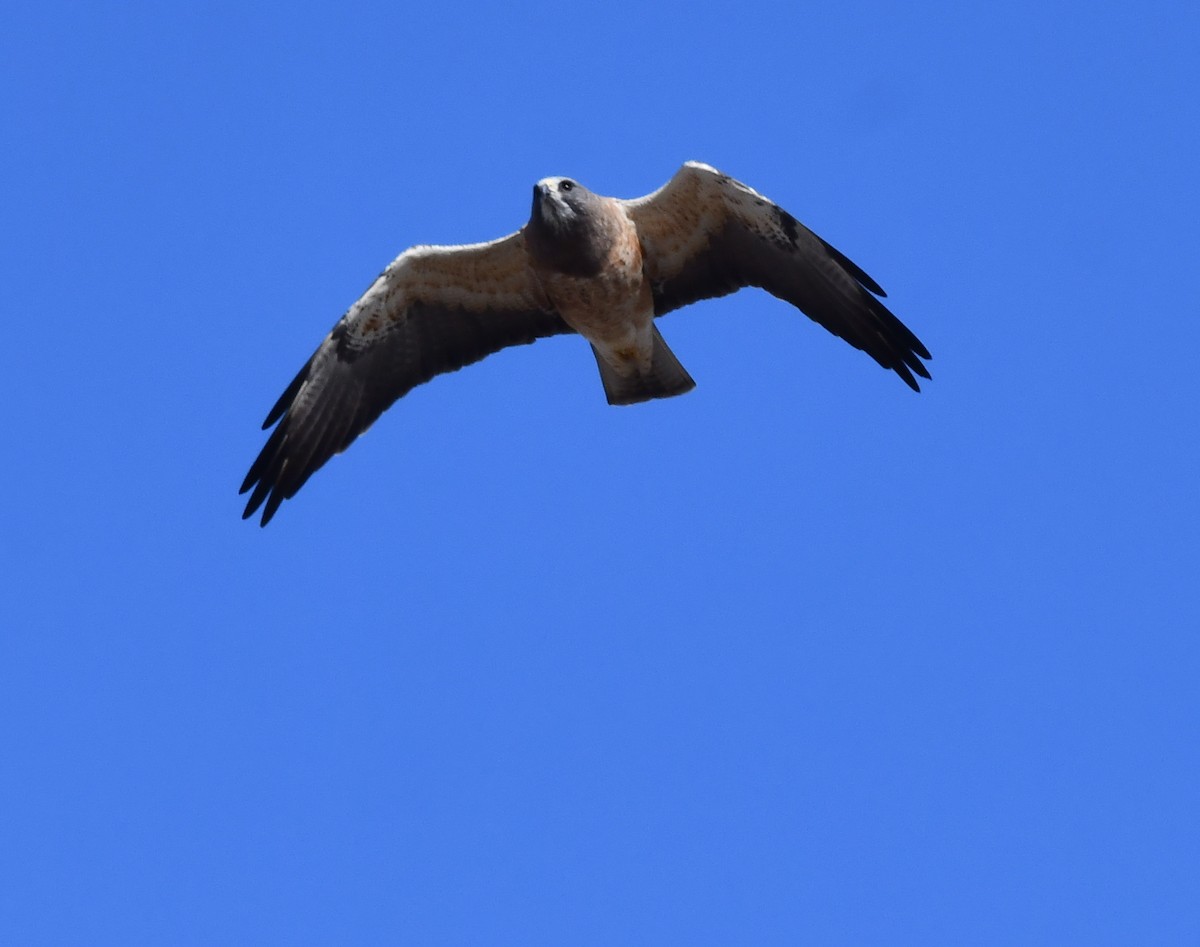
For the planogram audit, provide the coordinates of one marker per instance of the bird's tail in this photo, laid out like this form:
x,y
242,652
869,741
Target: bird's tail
x,y
665,377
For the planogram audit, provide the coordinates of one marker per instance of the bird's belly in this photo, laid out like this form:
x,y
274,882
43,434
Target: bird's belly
x,y
614,310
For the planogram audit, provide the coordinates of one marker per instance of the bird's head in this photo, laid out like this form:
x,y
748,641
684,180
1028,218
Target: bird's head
x,y
568,226
560,203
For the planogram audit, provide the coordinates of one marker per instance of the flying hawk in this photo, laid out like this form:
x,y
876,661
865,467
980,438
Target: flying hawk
x,y
599,266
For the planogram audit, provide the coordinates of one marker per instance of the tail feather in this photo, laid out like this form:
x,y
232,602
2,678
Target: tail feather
x,y
665,377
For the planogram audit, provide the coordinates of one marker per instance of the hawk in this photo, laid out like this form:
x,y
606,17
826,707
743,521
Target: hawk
x,y
599,266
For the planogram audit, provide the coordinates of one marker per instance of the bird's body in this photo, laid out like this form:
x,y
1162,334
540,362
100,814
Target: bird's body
x,y
601,267
586,253
614,308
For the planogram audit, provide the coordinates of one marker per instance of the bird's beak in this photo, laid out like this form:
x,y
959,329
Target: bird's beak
x,y
543,202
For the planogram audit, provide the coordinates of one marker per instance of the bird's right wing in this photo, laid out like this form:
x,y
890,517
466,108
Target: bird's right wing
x,y
433,310
704,234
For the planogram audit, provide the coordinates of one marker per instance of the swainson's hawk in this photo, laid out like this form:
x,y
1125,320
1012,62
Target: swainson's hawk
x,y
599,266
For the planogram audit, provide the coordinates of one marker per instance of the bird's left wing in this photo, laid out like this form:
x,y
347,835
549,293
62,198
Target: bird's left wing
x,y
433,310
704,234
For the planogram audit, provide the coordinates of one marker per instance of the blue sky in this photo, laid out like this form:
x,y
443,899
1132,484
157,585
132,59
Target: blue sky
x,y
801,657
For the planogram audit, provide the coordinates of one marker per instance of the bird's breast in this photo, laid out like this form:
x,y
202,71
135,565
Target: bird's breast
x,y
612,306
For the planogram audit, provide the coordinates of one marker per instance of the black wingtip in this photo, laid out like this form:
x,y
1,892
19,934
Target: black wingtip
x,y
906,377
256,501
272,505
853,269
289,394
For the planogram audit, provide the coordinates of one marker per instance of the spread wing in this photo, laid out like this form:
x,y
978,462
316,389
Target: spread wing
x,y
704,234
433,310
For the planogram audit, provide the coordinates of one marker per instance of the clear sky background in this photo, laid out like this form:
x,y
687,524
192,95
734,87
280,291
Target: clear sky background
x,y
801,657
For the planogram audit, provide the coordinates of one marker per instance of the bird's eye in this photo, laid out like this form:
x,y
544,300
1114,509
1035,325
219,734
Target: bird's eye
x,y
566,185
